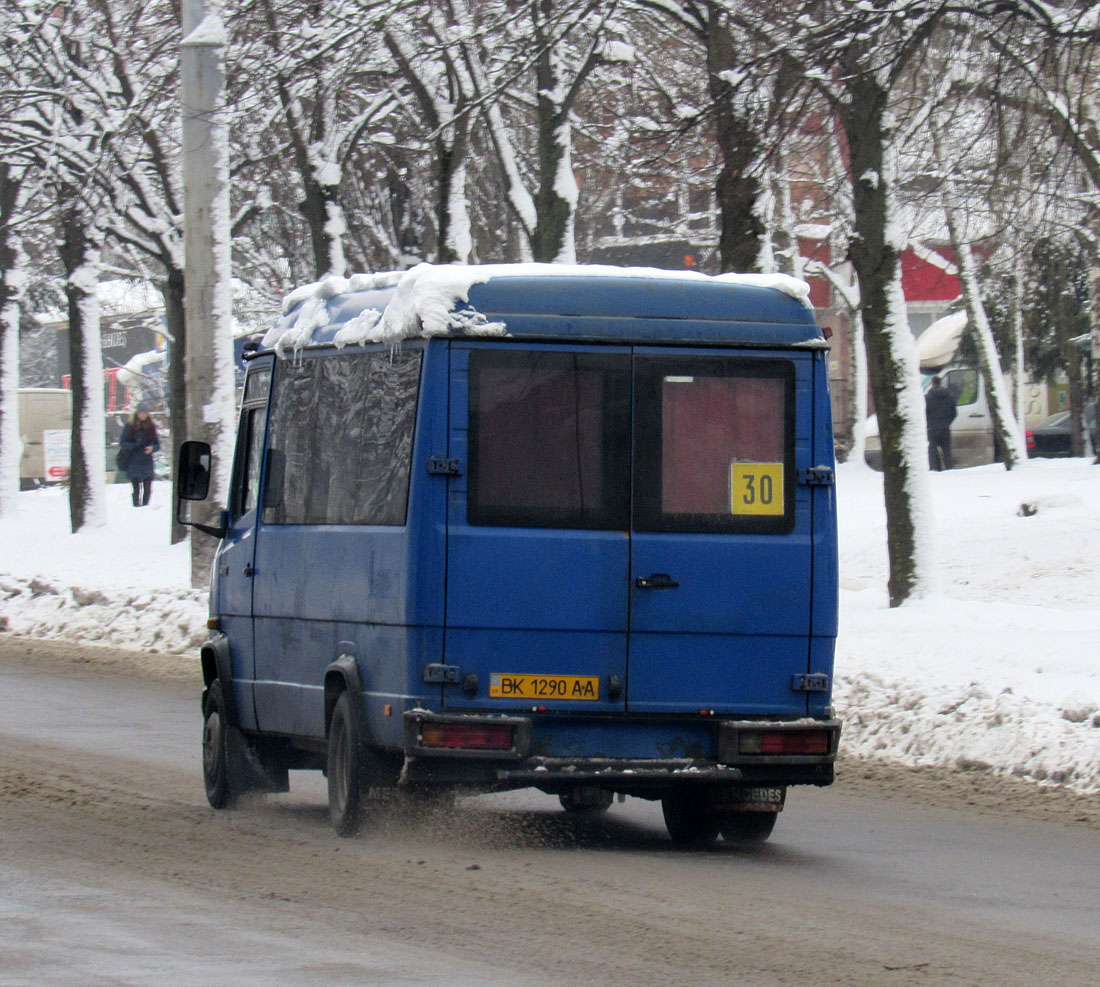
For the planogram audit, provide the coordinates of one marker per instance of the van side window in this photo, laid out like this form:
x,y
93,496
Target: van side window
x,y
963,385
250,442
549,442
714,443
253,437
344,425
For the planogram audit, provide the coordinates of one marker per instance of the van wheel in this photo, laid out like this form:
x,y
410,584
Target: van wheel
x,y
345,790
747,827
216,776
586,800
691,822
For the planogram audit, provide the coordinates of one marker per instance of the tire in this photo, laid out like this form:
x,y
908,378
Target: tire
x,y
344,770
216,775
586,801
747,827
691,823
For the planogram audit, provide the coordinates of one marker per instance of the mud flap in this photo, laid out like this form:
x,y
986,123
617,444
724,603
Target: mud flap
x,y
249,770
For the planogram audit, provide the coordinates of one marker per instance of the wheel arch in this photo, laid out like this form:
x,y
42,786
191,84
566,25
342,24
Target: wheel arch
x,y
217,663
343,676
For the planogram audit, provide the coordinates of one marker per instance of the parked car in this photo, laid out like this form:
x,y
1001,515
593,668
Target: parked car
x,y
1054,437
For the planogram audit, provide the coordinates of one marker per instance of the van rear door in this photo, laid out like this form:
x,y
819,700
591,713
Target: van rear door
x,y
538,527
721,549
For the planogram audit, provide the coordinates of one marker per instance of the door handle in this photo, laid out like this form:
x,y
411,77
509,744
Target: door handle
x,y
248,570
659,580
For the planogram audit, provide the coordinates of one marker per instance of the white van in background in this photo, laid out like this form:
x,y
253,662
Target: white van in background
x,y
972,435
42,410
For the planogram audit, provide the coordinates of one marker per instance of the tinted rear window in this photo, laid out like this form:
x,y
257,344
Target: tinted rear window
x,y
714,444
549,439
551,446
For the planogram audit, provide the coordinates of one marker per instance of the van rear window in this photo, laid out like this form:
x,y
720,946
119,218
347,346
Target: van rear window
x,y
714,441
549,439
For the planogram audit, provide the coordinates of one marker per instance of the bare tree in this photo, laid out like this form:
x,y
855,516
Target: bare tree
x,y
751,88
319,61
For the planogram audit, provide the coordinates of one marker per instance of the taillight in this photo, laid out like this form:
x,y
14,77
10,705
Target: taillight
x,y
468,736
783,742
1030,436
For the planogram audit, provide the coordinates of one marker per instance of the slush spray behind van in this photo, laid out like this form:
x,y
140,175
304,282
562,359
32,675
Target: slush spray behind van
x,y
530,526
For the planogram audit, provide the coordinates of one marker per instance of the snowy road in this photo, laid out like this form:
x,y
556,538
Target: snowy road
x,y
114,870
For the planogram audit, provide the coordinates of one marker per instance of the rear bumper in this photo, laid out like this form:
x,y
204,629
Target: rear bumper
x,y
723,763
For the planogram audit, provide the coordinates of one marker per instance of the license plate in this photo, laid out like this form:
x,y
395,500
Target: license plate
x,y
505,685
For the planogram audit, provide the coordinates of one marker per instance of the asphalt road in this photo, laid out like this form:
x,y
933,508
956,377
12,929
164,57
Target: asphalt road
x,y
113,870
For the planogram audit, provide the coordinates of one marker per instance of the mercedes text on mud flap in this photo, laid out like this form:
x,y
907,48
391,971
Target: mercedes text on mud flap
x,y
563,530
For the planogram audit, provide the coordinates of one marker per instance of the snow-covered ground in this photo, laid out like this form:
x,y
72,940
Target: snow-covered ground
x,y
999,669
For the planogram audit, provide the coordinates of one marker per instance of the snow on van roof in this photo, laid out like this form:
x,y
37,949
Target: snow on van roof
x,y
937,344
425,298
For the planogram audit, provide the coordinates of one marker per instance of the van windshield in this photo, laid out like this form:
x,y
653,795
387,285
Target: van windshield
x,y
962,382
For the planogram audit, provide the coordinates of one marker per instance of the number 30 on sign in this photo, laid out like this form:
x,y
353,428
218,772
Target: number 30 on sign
x,y
756,488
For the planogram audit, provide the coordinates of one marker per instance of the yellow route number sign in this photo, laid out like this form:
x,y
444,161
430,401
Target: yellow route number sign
x,y
756,488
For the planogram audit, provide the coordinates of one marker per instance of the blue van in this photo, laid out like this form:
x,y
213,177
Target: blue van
x,y
529,526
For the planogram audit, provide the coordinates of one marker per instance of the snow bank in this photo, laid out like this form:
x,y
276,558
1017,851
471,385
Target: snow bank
x,y
121,584
996,668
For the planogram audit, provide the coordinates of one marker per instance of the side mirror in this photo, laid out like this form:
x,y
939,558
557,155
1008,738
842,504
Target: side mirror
x,y
193,483
193,471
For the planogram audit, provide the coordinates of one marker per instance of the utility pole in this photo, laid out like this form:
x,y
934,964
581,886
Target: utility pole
x,y
207,294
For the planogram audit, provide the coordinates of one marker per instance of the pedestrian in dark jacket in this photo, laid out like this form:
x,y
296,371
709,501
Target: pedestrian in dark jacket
x,y
139,439
939,412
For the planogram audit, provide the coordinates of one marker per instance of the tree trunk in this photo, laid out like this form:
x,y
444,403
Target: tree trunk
x,y
11,290
1007,433
323,214
176,326
1072,356
738,146
87,470
891,352
454,244
857,390
787,256
556,198
1004,424
1018,339
1093,224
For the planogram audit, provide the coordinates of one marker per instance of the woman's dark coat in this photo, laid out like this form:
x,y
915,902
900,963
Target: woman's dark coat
x,y
135,437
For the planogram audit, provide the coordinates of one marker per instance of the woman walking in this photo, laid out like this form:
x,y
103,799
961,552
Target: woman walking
x,y
139,440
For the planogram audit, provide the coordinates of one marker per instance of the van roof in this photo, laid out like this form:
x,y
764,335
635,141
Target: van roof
x,y
936,346
544,301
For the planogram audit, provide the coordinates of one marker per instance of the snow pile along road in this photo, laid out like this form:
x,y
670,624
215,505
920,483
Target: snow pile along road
x,y
997,670
122,584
